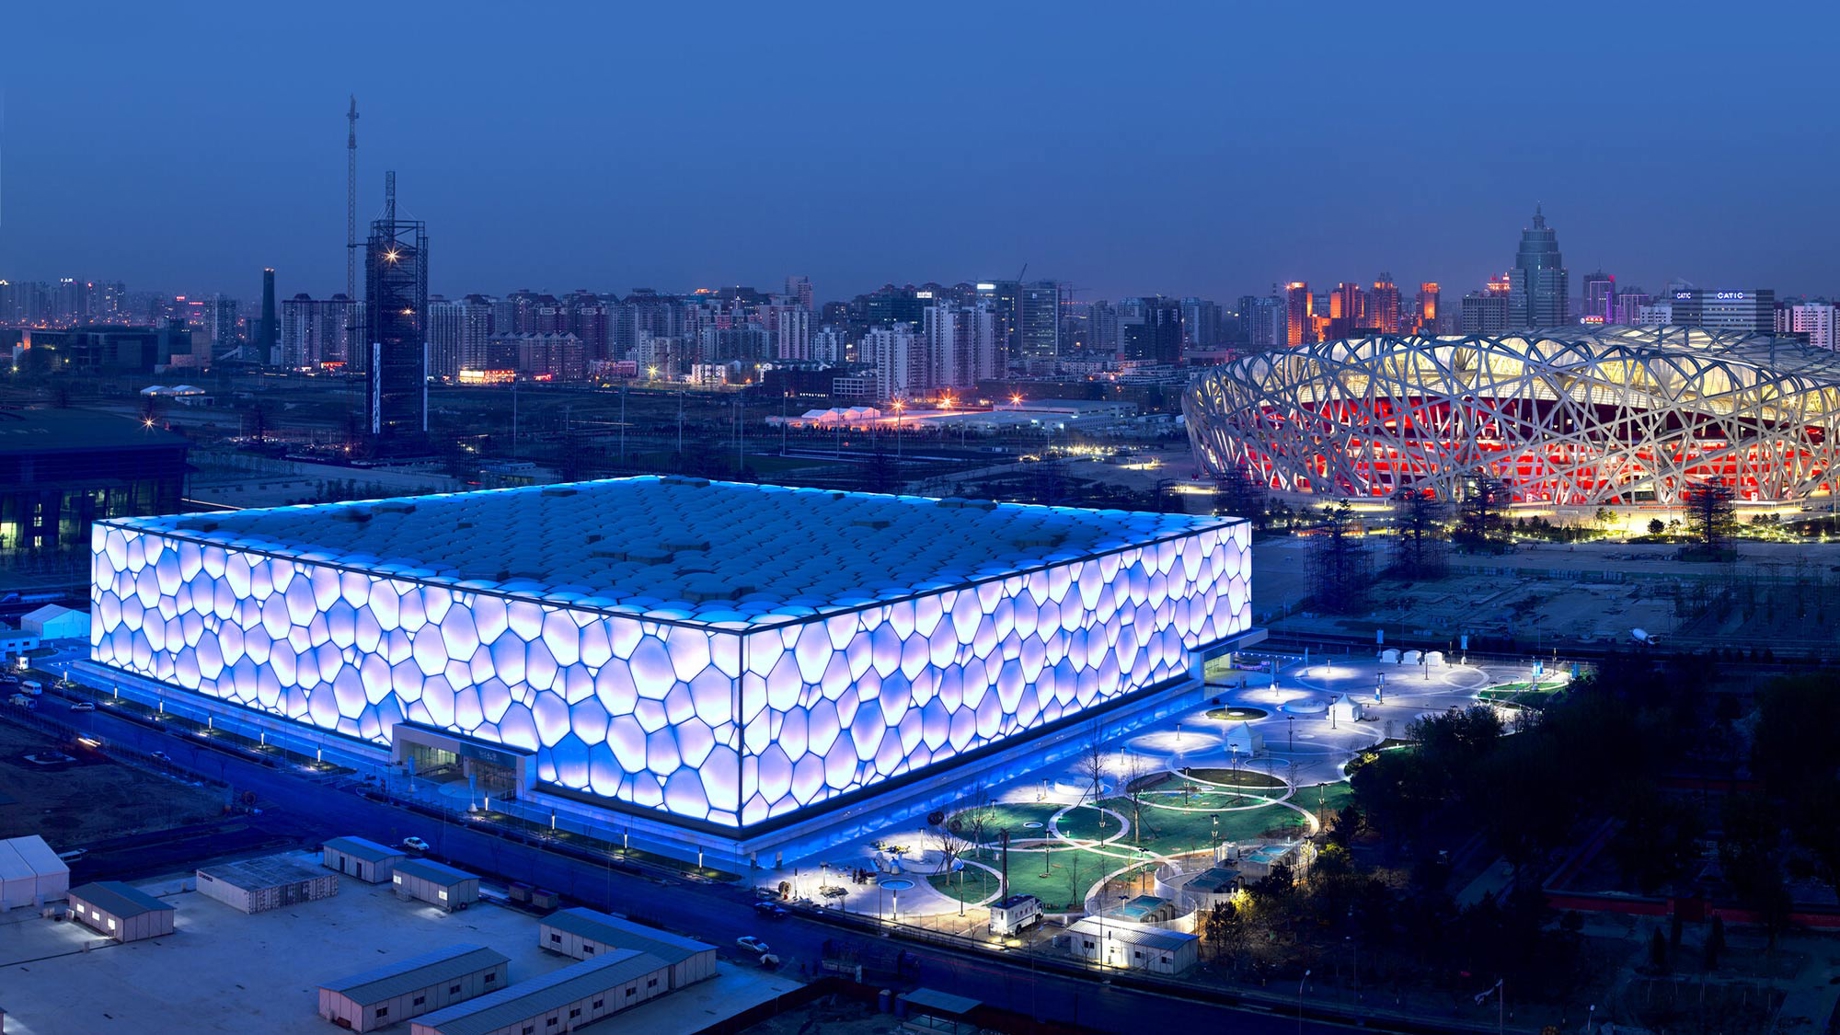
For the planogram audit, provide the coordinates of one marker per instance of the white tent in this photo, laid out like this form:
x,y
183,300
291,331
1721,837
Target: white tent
x,y
31,874
52,622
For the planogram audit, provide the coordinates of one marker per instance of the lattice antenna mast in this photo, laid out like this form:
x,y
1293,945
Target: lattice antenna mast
x,y
351,202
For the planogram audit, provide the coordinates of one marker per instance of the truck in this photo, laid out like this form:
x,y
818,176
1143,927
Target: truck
x,y
1015,914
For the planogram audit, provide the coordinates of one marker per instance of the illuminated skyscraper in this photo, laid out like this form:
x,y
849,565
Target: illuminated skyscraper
x,y
395,324
1539,282
1299,312
1427,306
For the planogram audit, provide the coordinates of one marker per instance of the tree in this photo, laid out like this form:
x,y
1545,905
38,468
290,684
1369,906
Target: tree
x,y
1340,570
1656,526
1224,928
1710,512
1418,550
1479,511
1092,766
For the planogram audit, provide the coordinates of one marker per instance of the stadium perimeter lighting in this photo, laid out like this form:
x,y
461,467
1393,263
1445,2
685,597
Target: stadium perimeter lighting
x,y
1563,416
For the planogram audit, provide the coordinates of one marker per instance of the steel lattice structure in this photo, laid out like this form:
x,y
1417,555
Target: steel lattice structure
x,y
1562,416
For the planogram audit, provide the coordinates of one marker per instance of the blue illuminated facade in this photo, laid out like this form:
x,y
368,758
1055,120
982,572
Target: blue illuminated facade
x,y
729,654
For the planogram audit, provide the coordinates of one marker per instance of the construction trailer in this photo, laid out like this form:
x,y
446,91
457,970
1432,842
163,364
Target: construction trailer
x,y
1122,944
585,934
432,882
258,885
121,911
368,861
561,1001
412,987
31,874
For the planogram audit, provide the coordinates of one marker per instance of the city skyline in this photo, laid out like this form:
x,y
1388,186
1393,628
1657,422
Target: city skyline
x,y
611,176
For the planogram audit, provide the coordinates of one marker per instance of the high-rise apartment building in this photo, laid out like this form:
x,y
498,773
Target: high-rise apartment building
x,y
894,352
959,347
798,290
1150,331
1629,303
1262,321
460,334
395,324
1299,313
1488,311
1812,320
1538,285
1599,294
221,326
1383,305
315,332
1201,323
792,332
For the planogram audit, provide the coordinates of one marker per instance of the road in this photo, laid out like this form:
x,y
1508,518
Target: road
x,y
299,810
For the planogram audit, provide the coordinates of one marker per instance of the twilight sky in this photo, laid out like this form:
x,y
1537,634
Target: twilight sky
x,y
1202,148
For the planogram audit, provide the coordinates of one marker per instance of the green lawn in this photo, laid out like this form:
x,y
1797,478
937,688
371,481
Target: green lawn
x,y
1070,873
1016,816
1237,777
1086,823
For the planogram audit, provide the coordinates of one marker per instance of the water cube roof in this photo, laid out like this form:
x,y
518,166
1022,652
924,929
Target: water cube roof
x,y
684,549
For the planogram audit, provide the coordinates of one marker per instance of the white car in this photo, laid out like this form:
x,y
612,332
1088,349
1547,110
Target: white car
x,y
751,944
83,706
415,844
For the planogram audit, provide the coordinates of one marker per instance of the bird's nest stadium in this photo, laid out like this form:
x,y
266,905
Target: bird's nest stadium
x,y
1566,417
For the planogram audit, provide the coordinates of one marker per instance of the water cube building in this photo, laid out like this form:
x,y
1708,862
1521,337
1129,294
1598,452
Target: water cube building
x,y
724,658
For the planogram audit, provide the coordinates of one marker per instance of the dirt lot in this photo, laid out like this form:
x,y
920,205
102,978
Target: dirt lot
x,y
89,797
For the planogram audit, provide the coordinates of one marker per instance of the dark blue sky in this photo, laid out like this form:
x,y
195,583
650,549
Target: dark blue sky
x,y
1206,148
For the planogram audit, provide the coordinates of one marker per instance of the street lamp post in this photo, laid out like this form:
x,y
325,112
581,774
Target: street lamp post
x,y
1300,981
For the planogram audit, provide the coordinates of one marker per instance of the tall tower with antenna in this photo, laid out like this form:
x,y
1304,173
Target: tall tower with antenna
x,y
351,201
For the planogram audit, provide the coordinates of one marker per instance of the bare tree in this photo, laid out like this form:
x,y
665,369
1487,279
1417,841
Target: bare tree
x,y
1091,766
949,846
1136,780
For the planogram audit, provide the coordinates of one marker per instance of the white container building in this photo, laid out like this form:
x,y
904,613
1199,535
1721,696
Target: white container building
x,y
257,885
368,861
561,1001
432,882
121,911
586,934
412,987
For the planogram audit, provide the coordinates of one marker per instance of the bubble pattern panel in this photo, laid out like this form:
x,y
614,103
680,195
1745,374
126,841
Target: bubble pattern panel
x,y
726,722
